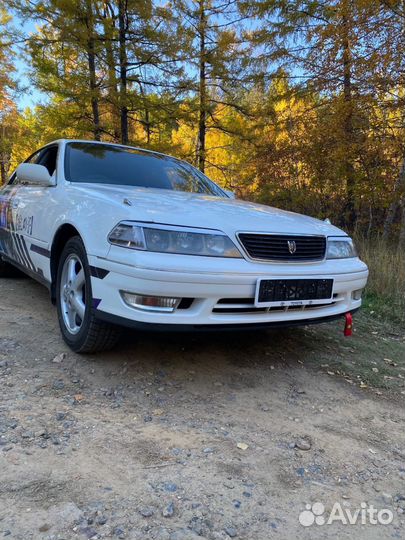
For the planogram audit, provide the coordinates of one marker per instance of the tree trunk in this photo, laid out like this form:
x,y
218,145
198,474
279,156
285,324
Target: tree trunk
x,y
146,121
91,58
399,186
350,213
123,70
113,97
370,222
393,208
4,155
3,171
93,90
402,231
202,123
147,125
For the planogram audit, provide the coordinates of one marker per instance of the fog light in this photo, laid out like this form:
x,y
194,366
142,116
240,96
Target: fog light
x,y
356,295
150,303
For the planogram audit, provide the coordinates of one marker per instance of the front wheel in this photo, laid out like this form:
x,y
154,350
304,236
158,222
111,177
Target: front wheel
x,y
79,326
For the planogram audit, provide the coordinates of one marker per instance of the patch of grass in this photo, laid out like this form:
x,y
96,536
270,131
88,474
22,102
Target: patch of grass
x,y
385,293
373,358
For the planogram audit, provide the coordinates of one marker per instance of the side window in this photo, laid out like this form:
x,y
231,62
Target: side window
x,y
48,159
32,159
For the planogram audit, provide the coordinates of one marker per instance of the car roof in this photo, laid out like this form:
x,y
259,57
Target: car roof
x,y
104,143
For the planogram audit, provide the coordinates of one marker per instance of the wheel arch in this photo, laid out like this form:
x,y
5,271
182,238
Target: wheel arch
x,y
62,236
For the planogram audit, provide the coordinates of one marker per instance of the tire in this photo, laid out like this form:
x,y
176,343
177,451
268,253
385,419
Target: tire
x,y
74,300
8,270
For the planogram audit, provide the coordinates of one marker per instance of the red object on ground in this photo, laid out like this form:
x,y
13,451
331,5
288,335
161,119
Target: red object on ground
x,y
349,324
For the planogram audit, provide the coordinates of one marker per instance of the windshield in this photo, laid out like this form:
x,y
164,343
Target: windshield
x,y
93,163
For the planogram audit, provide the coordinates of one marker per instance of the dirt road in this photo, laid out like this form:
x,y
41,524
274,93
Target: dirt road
x,y
198,436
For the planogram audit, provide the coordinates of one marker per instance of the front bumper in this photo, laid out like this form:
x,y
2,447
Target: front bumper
x,y
215,285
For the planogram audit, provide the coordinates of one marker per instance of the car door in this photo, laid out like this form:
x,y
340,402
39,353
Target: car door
x,y
11,245
32,216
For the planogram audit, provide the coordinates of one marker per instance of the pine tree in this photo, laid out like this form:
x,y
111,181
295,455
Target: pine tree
x,y
329,47
103,56
216,61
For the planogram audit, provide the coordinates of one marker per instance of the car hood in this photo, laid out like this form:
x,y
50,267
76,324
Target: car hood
x,y
205,211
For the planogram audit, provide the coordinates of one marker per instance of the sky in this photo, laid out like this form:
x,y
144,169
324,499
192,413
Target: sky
x,y
30,96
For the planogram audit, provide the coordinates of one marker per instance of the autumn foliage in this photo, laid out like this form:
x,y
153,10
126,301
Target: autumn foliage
x,y
297,104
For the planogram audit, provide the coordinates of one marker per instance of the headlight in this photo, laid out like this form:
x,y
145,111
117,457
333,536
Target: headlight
x,y
340,248
173,240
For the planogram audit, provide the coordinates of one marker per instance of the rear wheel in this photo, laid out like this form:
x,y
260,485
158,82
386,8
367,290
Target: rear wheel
x,y
79,326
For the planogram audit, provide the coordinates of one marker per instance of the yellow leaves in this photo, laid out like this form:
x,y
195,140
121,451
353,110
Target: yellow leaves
x,y
223,148
185,137
5,17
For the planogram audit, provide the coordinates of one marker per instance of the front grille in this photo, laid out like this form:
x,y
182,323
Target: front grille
x,y
275,247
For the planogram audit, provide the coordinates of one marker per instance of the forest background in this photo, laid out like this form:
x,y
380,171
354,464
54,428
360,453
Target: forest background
x,y
296,104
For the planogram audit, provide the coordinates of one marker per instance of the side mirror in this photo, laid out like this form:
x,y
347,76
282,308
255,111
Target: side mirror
x,y
230,193
34,174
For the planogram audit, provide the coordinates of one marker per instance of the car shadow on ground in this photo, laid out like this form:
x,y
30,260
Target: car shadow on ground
x,y
214,351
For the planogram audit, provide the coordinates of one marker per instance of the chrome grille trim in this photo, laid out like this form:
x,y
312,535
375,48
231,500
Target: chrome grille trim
x,y
245,307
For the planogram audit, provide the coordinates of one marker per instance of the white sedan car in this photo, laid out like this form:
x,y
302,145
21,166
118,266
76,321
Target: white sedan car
x,y
127,237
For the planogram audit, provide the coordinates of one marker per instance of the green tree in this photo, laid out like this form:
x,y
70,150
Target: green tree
x,y
216,61
329,48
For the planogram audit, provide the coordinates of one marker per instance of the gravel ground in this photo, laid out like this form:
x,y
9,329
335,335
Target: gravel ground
x,y
186,437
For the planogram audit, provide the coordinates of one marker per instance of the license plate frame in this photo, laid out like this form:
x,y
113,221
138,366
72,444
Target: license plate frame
x,y
293,292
